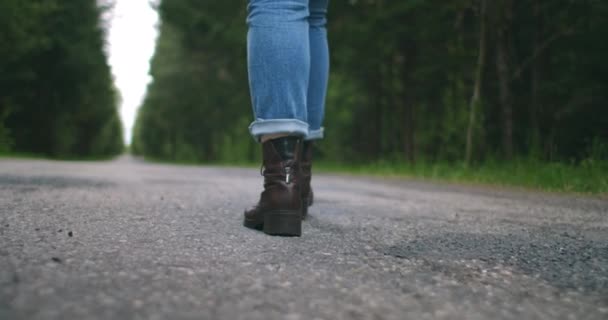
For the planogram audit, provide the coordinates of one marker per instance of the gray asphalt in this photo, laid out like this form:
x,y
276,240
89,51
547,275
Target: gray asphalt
x,y
131,240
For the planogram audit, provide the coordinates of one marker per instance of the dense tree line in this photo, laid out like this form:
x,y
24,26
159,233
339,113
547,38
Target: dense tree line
x,y
56,90
197,106
464,80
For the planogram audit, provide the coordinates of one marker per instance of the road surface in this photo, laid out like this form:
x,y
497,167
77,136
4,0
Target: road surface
x,y
126,239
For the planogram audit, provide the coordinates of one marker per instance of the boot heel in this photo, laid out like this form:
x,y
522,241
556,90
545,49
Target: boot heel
x,y
283,223
304,211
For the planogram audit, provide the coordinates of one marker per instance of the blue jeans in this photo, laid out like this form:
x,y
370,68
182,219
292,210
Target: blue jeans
x,y
288,61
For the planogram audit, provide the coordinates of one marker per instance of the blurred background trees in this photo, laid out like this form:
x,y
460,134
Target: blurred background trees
x,y
56,92
463,80
412,81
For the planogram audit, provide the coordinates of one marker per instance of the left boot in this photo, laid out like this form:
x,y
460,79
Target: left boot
x,y
279,210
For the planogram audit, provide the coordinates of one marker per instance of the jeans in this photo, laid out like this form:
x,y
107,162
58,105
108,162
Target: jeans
x,y
288,65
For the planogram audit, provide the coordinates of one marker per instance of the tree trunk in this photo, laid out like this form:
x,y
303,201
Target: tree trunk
x,y
534,81
408,132
376,143
409,51
504,76
474,104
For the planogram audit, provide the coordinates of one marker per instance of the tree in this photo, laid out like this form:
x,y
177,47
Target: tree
x,y
475,100
57,93
411,81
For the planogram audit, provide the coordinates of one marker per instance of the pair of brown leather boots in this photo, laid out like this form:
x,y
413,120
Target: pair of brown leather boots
x,y
287,194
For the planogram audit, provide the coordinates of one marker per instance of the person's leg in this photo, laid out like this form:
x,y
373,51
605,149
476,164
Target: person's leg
x,y
317,90
319,67
278,55
279,70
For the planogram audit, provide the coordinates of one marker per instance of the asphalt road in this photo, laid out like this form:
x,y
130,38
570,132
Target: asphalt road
x,y
132,240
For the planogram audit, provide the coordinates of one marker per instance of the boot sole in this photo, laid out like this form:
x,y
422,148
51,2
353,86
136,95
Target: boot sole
x,y
252,224
305,206
283,223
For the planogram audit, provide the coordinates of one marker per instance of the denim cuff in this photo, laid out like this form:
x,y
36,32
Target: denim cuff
x,y
262,127
315,134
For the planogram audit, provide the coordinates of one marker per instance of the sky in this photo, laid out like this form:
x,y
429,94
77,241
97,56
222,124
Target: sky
x,y
131,40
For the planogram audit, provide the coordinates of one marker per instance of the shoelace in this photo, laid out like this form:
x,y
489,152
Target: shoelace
x,y
286,172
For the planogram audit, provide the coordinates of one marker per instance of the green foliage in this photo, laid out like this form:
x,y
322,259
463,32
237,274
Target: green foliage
x,y
587,177
196,106
401,86
56,90
6,142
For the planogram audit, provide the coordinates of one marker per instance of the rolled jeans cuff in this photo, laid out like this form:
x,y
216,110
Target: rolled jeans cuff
x,y
315,134
262,127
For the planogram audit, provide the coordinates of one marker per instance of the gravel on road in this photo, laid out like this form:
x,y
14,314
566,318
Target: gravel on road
x,y
126,239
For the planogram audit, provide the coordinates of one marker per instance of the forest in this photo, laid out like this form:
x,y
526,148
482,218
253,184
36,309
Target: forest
x,y
57,97
442,84
464,81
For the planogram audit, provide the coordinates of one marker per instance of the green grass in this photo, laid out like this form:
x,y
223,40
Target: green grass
x,y
24,155
182,162
587,177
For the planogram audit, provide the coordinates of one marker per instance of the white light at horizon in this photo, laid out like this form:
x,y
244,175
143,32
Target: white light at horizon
x,y
131,41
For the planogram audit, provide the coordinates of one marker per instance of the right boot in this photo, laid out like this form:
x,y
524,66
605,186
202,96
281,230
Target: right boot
x,y
279,210
306,165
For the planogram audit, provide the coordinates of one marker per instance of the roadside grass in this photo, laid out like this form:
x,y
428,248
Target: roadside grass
x,y
33,156
20,155
589,176
186,162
